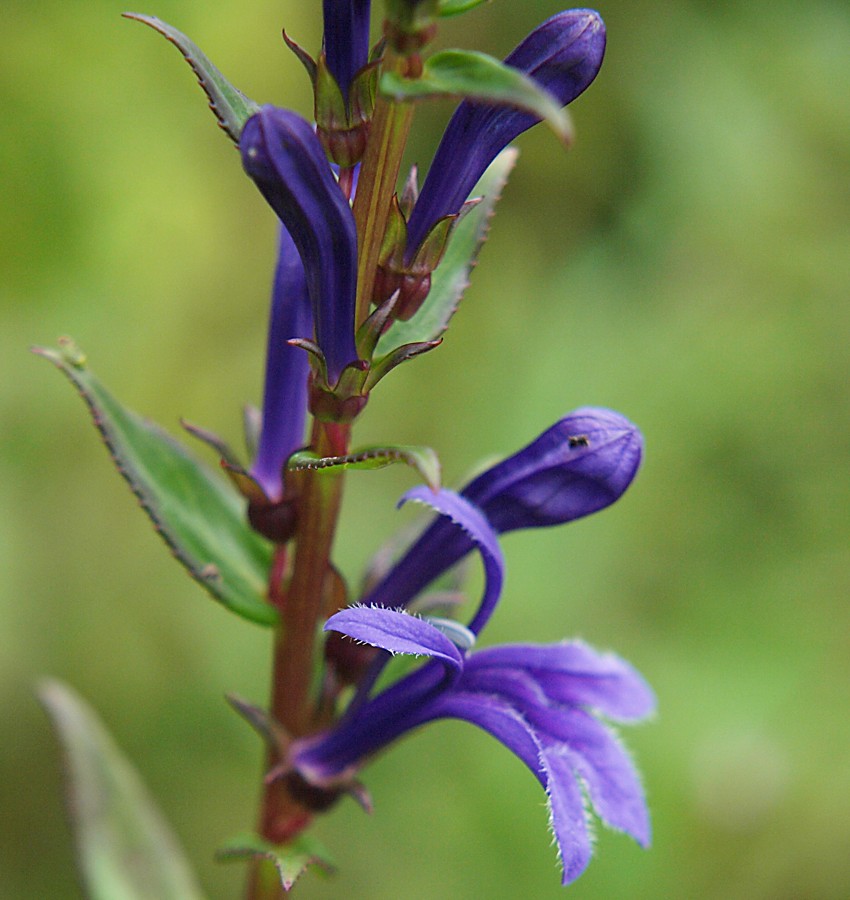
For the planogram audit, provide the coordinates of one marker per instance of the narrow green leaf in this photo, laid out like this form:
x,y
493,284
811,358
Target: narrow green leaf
x,y
126,850
451,277
196,513
456,7
423,459
289,861
230,106
477,76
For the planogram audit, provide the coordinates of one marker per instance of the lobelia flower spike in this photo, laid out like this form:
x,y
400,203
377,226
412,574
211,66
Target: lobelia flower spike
x,y
346,39
543,702
563,55
283,156
287,370
580,465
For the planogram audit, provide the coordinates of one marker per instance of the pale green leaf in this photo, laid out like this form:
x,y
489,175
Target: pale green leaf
x,y
126,850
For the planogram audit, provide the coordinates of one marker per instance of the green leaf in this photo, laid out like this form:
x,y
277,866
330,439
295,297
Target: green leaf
x,y
451,277
126,850
477,76
456,7
196,513
230,106
287,863
423,459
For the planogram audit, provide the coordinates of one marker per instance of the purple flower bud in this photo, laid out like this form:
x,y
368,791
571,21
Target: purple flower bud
x,y
286,161
346,39
563,55
287,368
580,465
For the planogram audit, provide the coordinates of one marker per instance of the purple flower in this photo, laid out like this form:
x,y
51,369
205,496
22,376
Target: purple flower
x,y
580,465
287,368
346,41
563,55
286,161
545,703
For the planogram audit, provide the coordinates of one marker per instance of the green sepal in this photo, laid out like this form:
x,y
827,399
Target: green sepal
x,y
409,193
423,459
214,441
230,106
284,864
451,277
369,333
330,110
477,76
125,848
263,724
412,17
395,236
396,357
456,7
200,518
302,56
432,248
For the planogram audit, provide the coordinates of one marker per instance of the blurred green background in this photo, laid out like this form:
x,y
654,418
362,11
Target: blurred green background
x,y
687,263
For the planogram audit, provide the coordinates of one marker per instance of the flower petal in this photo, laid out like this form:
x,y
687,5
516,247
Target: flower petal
x,y
563,55
346,39
566,806
287,368
395,631
566,814
477,528
286,161
599,759
572,674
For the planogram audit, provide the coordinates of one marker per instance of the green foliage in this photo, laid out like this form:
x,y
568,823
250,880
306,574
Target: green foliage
x,y
198,515
125,849
229,105
477,76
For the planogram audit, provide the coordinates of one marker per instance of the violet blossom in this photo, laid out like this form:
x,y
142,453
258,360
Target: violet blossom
x,y
546,703
283,156
563,55
287,368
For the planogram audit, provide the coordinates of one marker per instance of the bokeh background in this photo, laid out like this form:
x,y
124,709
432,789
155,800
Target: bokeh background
x,y
687,263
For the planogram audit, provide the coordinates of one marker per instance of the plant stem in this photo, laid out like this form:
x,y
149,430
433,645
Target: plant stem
x,y
301,603
302,597
378,180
